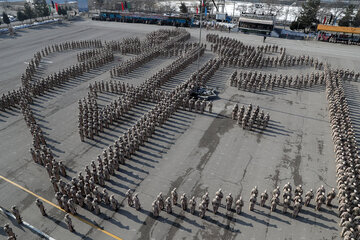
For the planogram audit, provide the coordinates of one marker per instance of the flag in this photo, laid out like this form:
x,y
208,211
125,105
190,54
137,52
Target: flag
x,y
197,10
331,17
324,20
57,7
205,11
122,6
202,3
52,3
127,5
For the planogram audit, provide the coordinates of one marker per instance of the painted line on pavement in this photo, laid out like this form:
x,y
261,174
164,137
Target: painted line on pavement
x,y
6,212
58,207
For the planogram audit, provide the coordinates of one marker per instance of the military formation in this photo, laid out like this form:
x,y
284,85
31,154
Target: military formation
x,y
89,191
234,53
89,54
254,81
347,155
93,121
289,199
250,118
160,40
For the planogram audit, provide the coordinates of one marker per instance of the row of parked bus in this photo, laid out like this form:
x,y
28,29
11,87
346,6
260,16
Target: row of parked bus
x,y
149,18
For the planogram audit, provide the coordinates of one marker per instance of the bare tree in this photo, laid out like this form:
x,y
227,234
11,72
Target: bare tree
x,y
337,8
167,7
150,5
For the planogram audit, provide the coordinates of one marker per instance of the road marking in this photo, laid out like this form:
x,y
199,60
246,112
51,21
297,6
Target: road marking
x,y
45,61
26,62
58,207
6,212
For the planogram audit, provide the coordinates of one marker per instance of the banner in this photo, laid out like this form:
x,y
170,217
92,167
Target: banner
x,y
330,28
56,7
122,6
83,6
205,11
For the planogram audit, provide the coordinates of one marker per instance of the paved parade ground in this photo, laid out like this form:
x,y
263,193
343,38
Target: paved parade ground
x,y
196,153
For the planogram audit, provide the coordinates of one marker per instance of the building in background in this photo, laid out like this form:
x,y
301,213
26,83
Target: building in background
x,y
256,23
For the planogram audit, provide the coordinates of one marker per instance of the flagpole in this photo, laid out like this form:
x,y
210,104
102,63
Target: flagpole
x,y
198,60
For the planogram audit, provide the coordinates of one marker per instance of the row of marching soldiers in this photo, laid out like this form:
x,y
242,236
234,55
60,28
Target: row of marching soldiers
x,y
347,155
127,45
249,118
146,56
114,155
231,42
127,144
162,203
88,54
133,63
348,75
198,105
235,53
13,98
178,49
288,198
132,96
132,140
130,45
257,81
111,86
56,79
87,193
257,60
83,190
40,152
93,120
34,62
160,36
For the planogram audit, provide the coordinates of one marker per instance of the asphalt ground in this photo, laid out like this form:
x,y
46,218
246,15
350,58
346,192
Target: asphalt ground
x,y
194,152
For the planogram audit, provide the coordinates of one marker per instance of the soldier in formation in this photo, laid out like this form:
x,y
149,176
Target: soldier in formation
x,y
249,118
254,81
68,222
347,160
9,232
41,207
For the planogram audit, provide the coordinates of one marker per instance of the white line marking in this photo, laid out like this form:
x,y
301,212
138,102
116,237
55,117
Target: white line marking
x,y
26,62
6,212
45,61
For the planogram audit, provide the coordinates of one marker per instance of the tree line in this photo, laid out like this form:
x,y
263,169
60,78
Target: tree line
x,y
41,9
308,17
